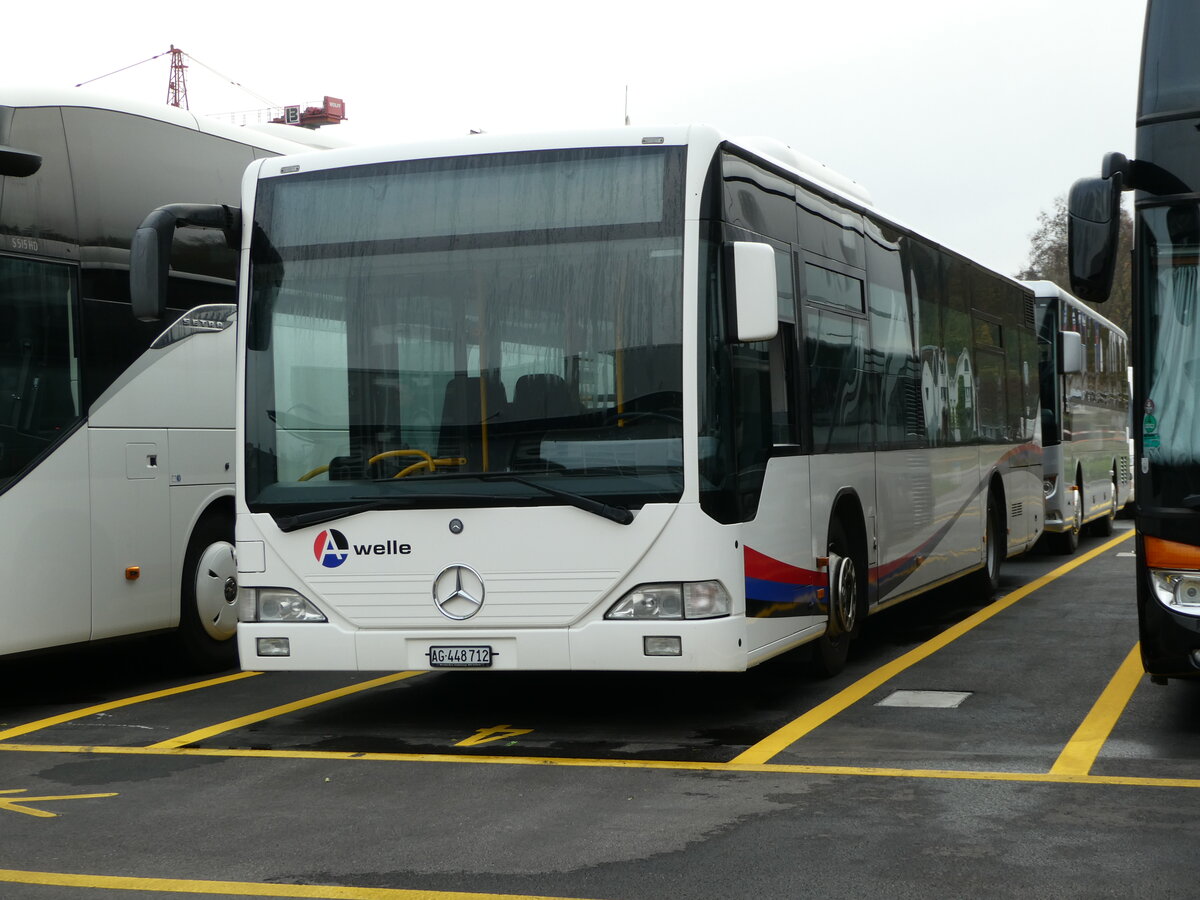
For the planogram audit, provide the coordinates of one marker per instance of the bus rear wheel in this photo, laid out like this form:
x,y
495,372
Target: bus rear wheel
x,y
845,602
208,598
1103,527
987,579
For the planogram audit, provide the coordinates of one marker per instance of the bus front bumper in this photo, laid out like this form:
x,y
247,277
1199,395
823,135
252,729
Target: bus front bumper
x,y
708,645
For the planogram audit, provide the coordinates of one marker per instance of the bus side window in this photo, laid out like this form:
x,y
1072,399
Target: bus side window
x,y
902,417
839,389
782,353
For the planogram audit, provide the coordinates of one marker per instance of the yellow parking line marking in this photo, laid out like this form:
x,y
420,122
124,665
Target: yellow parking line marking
x,y
243,888
12,805
565,762
195,737
1081,751
495,733
29,727
780,740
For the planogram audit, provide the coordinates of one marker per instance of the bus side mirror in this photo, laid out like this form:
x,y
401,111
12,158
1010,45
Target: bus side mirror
x,y
1070,352
752,290
150,251
18,163
1093,227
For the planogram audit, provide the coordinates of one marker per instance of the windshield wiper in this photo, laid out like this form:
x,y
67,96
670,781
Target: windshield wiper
x,y
618,514
317,516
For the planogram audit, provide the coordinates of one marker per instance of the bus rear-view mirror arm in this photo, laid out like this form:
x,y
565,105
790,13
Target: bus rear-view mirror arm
x,y
150,250
752,290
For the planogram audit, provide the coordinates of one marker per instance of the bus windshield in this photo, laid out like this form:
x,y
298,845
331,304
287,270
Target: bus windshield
x,y
1170,236
418,328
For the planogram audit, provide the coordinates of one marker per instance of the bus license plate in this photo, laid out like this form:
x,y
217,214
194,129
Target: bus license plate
x,y
440,657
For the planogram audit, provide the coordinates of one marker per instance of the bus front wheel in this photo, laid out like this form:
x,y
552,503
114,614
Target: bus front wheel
x,y
208,598
845,602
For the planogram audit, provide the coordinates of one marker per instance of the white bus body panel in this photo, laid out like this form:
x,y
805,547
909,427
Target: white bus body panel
x,y
149,486
44,529
130,506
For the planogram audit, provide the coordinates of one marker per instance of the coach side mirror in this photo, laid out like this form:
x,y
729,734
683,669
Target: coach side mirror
x,y
1093,227
18,163
1070,352
150,250
751,290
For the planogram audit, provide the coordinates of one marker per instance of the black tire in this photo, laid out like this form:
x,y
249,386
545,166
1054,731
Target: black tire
x,y
208,598
847,604
987,579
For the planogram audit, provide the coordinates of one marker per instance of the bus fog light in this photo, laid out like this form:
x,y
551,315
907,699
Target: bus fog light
x,y
274,647
662,646
650,601
1178,590
283,605
705,600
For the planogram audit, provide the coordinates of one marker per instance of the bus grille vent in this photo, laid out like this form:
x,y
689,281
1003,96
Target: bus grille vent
x,y
920,492
1030,317
1017,509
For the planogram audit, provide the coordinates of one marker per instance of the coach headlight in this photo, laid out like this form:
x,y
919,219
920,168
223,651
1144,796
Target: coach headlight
x,y
673,600
276,605
1178,590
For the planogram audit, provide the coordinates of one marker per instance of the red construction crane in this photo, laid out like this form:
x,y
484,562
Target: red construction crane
x,y
331,111
177,86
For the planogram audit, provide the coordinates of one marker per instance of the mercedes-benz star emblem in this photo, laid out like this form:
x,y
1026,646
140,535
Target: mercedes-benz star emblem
x,y
458,592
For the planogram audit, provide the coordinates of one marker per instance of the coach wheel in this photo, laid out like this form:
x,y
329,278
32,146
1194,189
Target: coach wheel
x,y
988,578
846,605
208,599
1103,527
1067,542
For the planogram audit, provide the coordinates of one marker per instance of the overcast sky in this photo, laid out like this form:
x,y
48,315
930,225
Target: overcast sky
x,y
962,118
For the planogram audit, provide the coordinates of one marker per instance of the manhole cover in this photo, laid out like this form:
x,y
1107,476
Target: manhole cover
x,y
925,699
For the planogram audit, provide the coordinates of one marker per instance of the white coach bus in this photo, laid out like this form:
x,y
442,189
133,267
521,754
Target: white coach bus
x,y
116,437
1088,477
619,400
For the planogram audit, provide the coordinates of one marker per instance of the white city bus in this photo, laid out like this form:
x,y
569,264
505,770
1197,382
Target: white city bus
x,y
1084,378
116,437
618,400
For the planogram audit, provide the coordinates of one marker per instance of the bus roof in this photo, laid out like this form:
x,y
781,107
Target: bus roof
x,y
1050,290
266,136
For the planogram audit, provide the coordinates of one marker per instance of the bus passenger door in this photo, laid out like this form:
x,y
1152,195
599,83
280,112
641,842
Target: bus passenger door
x,y
131,540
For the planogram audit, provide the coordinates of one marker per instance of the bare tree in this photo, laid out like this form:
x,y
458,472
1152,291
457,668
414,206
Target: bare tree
x,y
1048,261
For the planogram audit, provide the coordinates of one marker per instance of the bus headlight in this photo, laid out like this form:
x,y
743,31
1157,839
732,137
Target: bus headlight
x,y
1049,485
673,600
1178,590
276,605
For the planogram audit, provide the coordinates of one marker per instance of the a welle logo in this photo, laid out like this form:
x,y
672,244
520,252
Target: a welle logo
x,y
332,549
